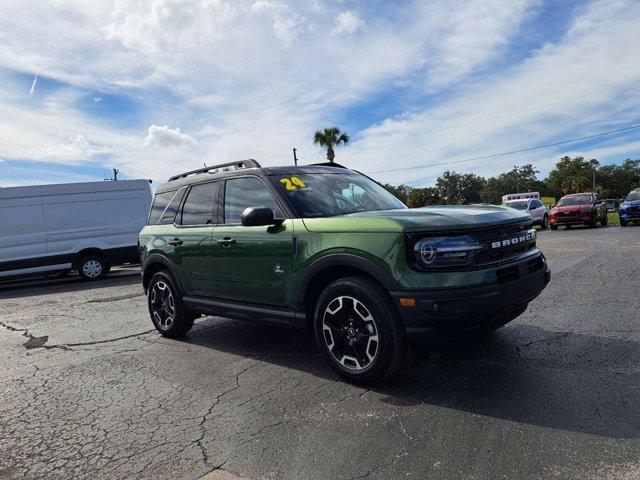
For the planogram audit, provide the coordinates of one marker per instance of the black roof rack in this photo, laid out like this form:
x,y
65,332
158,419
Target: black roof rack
x,y
328,164
250,163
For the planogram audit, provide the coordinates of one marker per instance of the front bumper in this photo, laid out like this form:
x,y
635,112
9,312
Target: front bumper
x,y
629,215
584,218
467,311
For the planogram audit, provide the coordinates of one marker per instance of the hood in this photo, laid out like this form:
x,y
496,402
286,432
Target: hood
x,y
569,208
630,203
455,217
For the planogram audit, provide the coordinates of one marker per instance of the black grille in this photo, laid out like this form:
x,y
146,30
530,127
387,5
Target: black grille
x,y
485,237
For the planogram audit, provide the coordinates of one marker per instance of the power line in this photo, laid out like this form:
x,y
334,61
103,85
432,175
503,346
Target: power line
x,y
502,154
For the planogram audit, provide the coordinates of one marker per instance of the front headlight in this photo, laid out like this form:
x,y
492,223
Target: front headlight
x,y
434,252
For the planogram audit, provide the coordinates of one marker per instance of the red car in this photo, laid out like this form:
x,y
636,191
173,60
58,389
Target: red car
x,y
578,209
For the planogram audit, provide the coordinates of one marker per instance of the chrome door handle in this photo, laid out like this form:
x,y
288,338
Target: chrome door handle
x,y
226,241
175,242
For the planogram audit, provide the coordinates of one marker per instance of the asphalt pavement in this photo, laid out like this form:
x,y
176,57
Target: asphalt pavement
x,y
88,389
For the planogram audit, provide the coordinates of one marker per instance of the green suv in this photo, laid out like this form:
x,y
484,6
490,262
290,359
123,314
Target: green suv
x,y
327,248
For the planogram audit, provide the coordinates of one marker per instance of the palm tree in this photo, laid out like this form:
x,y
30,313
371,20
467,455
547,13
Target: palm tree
x,y
330,137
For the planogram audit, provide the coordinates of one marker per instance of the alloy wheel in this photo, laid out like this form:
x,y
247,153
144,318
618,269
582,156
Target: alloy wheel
x,y
350,333
163,307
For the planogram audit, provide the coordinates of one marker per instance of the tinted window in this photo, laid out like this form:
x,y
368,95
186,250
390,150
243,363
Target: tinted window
x,y
574,200
536,203
198,208
246,192
169,215
160,202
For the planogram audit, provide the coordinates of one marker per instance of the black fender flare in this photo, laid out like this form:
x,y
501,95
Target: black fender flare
x,y
155,259
342,260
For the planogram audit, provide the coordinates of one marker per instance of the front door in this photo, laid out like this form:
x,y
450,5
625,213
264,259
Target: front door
x,y
251,264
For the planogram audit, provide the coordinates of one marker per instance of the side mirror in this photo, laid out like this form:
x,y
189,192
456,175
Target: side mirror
x,y
259,216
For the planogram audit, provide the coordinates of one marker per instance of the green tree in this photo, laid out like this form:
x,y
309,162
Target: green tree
x,y
329,138
401,192
421,197
616,181
518,179
459,189
570,175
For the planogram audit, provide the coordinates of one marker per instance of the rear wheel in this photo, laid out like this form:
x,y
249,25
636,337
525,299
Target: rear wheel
x,y
93,266
359,331
168,313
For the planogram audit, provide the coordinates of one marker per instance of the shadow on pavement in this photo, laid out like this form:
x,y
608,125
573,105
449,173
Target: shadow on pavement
x,y
73,283
562,380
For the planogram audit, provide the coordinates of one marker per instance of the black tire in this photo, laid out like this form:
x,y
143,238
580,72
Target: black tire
x,y
93,266
623,223
554,227
604,221
363,338
594,222
545,222
168,313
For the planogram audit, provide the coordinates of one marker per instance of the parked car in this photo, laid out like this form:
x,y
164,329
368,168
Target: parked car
x,y
630,208
533,207
612,204
330,249
89,227
578,209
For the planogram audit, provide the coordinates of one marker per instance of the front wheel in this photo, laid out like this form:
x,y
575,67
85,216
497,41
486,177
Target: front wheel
x,y
554,227
359,331
604,221
623,223
93,267
545,223
168,313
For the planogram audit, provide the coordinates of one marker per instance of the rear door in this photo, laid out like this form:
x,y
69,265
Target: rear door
x,y
22,237
191,236
252,264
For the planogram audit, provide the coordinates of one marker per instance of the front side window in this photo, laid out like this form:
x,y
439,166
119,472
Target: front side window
x,y
241,193
331,194
199,206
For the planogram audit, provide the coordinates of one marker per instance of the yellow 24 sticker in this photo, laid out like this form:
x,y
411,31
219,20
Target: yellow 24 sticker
x,y
292,183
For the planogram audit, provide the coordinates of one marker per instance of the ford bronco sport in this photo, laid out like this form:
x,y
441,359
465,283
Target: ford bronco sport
x,y
328,248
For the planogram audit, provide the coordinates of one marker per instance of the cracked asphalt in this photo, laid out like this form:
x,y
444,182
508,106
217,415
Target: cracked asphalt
x,y
89,390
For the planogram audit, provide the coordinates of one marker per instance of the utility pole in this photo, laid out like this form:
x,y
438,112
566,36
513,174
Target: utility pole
x,y
295,158
115,174
594,163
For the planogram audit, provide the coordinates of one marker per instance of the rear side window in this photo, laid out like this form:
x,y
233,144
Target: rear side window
x,y
169,215
536,203
241,193
160,202
198,208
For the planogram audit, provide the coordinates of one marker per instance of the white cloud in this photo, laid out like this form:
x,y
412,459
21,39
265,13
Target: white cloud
x,y
97,99
164,136
75,148
253,78
348,22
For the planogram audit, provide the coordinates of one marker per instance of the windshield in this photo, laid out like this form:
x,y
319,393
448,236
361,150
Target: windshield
x,y
330,194
574,200
519,205
635,195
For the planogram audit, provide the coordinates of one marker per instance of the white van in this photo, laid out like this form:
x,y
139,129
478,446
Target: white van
x,y
84,226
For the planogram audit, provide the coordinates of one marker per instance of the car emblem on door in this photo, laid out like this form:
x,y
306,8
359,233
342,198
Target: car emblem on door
x,y
278,269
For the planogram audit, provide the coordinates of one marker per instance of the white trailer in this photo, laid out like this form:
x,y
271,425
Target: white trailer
x,y
88,227
520,196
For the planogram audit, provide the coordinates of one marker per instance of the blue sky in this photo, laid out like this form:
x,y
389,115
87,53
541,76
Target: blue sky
x,y
160,86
